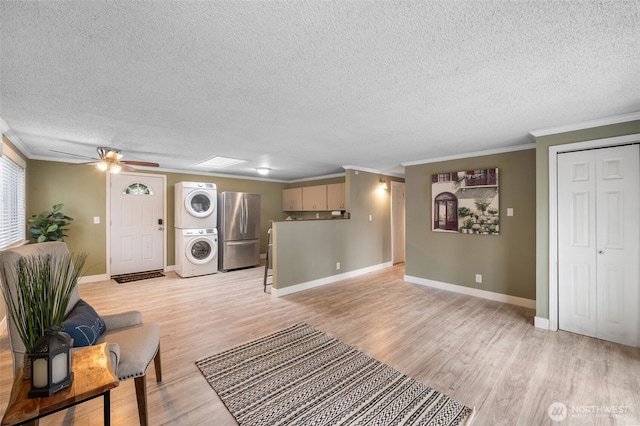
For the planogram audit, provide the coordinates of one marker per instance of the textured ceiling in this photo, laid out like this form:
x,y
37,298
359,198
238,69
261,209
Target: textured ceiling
x,y
307,87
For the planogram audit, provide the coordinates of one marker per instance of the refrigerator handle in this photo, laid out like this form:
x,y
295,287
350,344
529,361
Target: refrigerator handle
x,y
246,215
242,217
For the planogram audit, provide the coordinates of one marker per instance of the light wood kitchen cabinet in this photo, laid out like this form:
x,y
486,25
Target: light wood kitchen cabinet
x,y
292,199
335,196
314,198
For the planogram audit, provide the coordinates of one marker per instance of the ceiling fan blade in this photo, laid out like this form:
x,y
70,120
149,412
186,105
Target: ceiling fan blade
x,y
75,155
139,163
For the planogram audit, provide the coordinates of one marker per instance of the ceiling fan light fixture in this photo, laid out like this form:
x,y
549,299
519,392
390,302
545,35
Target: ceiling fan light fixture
x,y
263,170
114,168
102,165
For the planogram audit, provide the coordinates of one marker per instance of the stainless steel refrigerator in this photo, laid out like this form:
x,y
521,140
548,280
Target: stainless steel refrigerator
x,y
238,230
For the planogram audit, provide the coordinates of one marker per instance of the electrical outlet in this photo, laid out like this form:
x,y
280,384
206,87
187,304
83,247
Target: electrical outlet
x,y
338,265
479,278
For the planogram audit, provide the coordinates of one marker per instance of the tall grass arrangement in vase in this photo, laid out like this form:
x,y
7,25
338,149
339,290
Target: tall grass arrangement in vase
x,y
41,294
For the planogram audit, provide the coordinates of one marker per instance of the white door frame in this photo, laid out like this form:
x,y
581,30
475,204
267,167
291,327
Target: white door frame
x,y
553,210
394,193
164,212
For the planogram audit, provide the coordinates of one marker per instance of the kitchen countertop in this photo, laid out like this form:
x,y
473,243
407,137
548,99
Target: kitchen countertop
x,y
310,220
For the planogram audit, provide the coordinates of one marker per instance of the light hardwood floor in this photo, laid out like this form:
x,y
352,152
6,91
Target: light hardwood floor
x,y
485,354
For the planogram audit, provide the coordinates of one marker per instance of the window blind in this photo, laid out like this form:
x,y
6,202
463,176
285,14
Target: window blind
x,y
12,201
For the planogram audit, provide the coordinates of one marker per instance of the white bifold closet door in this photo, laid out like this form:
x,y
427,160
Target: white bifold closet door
x,y
598,243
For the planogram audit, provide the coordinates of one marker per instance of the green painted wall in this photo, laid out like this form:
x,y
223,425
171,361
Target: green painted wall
x,y
506,261
308,250
542,196
369,242
82,189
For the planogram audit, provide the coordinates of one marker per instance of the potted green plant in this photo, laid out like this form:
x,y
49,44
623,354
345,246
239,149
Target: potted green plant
x,y
464,212
482,205
468,224
37,293
49,225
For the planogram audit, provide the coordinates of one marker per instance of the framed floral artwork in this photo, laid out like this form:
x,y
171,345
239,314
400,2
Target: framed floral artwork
x,y
466,202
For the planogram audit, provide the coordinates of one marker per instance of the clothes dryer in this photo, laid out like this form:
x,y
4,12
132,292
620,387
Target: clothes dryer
x,y
196,252
195,205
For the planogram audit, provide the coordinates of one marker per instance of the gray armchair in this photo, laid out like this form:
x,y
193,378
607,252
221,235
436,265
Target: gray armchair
x,y
132,343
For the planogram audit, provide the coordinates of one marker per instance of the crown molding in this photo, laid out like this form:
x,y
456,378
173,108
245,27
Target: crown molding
x,y
15,140
335,175
374,171
586,124
472,154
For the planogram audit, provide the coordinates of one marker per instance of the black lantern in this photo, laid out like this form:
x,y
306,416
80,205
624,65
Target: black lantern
x,y
50,363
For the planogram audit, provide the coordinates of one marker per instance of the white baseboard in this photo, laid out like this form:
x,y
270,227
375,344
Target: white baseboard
x,y
484,294
93,278
104,277
543,323
279,292
3,324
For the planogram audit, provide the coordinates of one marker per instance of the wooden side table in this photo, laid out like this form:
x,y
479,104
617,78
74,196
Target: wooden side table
x,y
92,377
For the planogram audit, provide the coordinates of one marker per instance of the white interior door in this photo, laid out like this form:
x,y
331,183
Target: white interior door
x,y
397,222
137,217
598,243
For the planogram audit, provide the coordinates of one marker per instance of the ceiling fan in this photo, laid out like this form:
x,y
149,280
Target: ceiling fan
x,y
109,159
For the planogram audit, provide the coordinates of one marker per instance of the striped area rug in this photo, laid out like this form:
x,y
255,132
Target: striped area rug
x,y
301,376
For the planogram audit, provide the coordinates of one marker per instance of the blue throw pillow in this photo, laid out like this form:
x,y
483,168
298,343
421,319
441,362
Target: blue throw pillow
x,y
83,324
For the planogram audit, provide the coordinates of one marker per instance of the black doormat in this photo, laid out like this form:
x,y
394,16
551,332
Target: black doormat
x,y
127,278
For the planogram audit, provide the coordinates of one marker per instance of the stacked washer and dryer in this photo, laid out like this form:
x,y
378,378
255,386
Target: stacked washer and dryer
x,y
196,228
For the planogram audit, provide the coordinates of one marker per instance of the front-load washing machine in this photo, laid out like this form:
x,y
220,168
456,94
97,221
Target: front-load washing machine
x,y
195,205
196,252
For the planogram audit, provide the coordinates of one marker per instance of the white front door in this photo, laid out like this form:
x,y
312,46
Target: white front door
x,y
137,232
598,243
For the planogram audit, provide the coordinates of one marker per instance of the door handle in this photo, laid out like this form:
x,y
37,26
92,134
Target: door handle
x,y
601,252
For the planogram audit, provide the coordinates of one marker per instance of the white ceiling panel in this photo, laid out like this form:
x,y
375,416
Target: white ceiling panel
x,y
305,87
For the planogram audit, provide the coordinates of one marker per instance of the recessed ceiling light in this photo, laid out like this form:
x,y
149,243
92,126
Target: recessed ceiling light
x,y
220,162
263,170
